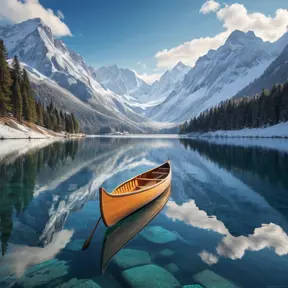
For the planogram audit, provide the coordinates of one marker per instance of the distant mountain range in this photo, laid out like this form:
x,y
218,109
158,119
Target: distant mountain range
x,y
111,98
218,76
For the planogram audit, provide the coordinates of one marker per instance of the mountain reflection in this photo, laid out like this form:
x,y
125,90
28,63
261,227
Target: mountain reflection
x,y
46,185
262,169
267,236
18,179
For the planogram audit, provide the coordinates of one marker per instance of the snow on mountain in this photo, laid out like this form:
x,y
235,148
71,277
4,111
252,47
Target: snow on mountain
x,y
165,85
217,76
276,73
33,43
120,81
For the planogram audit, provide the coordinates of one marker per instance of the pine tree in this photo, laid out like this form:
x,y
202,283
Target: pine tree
x,y
5,81
29,105
16,92
76,125
17,100
39,113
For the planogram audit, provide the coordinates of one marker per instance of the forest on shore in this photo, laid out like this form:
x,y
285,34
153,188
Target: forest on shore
x,y
18,100
267,109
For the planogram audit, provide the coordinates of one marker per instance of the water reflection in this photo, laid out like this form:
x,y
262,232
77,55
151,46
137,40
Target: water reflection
x,y
267,236
22,257
223,202
18,179
120,234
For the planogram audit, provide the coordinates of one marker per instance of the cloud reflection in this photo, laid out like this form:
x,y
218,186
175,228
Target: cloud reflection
x,y
268,236
22,257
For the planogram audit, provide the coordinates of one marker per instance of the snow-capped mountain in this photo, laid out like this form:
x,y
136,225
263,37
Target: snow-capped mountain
x,y
161,88
32,41
217,76
276,73
120,81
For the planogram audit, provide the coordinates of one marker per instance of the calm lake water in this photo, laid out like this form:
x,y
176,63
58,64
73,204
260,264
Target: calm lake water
x,y
225,223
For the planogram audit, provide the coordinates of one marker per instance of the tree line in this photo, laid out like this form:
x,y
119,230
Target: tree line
x,y
266,109
17,97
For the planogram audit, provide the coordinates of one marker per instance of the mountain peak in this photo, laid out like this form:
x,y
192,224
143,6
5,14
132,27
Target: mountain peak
x,y
180,65
242,37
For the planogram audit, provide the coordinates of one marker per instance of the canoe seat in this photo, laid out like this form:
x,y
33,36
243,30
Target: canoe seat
x,y
162,173
148,179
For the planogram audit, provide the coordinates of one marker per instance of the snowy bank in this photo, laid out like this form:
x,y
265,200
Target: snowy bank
x,y
12,129
11,149
276,131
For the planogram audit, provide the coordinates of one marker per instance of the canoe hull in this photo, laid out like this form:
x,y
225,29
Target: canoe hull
x,y
116,207
119,235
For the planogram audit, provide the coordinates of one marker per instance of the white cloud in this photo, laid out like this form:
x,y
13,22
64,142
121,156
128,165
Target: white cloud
x,y
149,78
208,258
233,17
209,6
19,11
24,256
190,214
267,236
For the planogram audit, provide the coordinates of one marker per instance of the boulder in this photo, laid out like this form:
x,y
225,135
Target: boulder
x,y
173,268
127,258
149,276
193,286
166,253
79,283
158,234
210,279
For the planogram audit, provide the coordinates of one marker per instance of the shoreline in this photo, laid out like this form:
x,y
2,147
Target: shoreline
x,y
11,129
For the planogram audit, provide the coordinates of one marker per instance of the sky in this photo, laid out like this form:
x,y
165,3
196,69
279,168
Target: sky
x,y
149,36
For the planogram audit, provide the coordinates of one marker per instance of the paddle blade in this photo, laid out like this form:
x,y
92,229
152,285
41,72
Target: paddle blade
x,y
86,244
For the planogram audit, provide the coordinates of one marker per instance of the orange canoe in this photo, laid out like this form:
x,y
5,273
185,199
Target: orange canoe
x,y
117,236
134,194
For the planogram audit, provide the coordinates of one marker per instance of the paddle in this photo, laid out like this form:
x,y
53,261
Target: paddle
x,y
88,240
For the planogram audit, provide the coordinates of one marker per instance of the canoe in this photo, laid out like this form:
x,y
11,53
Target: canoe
x,y
134,194
117,236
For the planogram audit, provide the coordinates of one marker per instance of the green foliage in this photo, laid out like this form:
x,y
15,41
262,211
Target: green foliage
x,y
268,108
16,95
5,81
16,100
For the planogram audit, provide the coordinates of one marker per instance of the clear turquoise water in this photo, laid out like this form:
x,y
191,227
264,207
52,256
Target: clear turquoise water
x,y
224,225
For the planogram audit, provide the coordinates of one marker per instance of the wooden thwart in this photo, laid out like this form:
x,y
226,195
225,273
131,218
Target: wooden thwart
x,y
125,198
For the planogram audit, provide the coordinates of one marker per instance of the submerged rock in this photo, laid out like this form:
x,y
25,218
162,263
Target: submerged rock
x,y
106,281
75,245
173,268
79,283
209,279
193,286
149,276
166,253
158,234
43,273
128,258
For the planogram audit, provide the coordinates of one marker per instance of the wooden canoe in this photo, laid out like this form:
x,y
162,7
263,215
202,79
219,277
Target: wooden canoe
x,y
134,194
117,236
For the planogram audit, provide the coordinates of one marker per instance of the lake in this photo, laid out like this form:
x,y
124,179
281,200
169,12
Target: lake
x,y
225,222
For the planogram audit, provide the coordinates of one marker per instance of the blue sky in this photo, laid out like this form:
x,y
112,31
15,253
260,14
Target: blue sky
x,y
129,33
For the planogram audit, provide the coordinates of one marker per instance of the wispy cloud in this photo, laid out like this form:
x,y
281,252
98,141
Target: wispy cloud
x,y
233,17
209,6
18,11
